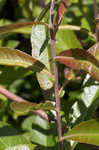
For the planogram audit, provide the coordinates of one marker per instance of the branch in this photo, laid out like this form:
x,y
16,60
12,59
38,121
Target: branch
x,y
52,36
16,98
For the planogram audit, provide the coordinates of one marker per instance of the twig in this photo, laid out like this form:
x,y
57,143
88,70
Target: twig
x,y
11,95
52,36
16,98
95,16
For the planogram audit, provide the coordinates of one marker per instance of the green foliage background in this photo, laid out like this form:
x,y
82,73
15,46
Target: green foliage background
x,y
81,99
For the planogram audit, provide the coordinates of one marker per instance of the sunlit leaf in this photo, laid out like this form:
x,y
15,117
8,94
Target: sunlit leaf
x,y
83,103
12,57
40,131
11,138
65,43
85,132
88,97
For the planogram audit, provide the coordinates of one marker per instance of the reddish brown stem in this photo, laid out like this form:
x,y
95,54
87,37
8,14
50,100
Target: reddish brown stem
x,y
10,95
52,36
16,98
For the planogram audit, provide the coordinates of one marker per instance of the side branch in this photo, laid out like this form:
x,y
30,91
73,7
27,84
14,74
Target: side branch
x,y
16,98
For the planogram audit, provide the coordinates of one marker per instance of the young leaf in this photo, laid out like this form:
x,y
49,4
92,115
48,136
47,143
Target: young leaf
x,y
80,60
85,132
39,41
63,6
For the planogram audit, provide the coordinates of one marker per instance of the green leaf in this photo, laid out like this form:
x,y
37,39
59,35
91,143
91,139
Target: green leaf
x,y
12,57
85,132
2,3
43,12
40,131
39,41
6,71
65,43
74,1
85,24
10,138
23,108
12,43
87,99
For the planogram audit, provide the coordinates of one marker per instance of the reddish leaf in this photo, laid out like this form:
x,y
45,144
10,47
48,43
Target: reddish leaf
x,y
81,54
64,4
80,60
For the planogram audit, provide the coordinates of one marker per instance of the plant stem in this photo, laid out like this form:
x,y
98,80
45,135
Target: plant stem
x,y
52,36
11,95
95,16
16,98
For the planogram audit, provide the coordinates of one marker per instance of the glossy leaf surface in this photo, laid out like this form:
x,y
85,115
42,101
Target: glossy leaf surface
x,y
12,57
85,132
